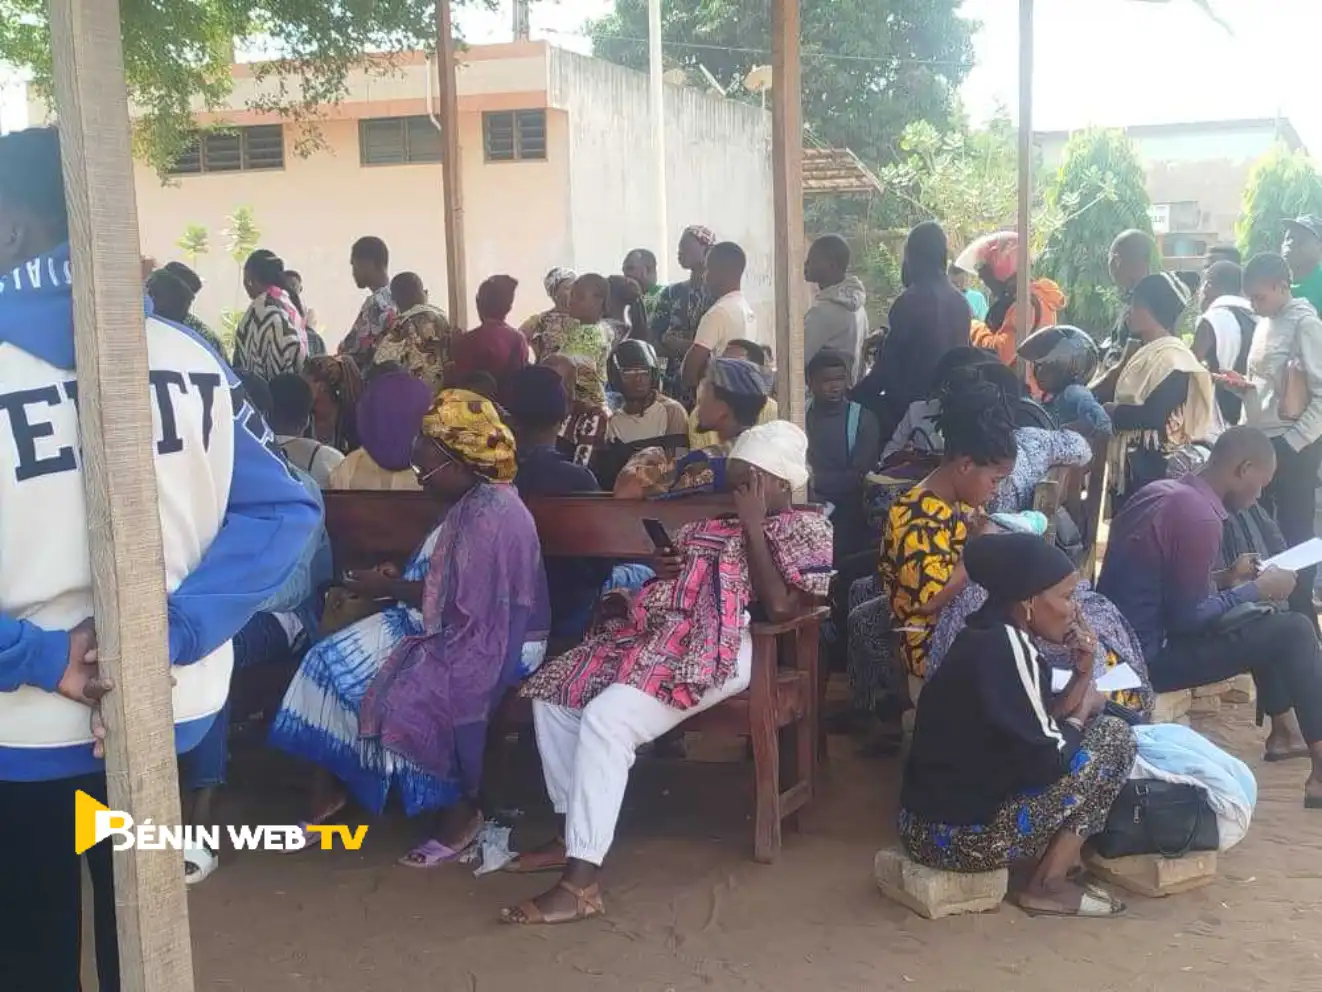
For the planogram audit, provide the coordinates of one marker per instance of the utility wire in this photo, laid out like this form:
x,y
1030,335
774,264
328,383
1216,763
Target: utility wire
x,y
698,46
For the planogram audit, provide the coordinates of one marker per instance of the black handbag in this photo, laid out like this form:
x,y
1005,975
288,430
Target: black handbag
x,y
1155,817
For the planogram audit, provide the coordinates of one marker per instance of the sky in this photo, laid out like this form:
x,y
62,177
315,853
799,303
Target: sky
x,y
1104,62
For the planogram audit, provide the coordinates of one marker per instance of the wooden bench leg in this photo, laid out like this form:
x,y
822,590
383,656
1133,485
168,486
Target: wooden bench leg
x,y
822,682
766,750
806,650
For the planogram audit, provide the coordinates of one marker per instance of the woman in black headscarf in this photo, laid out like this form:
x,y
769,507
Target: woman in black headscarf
x,y
1002,773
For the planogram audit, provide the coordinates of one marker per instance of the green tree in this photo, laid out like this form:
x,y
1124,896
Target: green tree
x,y
1283,184
968,180
241,235
178,50
194,242
867,73
1099,190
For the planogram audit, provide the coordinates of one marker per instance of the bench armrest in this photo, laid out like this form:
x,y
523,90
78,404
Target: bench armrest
x,y
763,628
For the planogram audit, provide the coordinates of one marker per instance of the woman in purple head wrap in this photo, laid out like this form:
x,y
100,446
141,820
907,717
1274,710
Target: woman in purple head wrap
x,y
388,418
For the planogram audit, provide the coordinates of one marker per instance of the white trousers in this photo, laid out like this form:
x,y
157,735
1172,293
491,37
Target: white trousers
x,y
587,753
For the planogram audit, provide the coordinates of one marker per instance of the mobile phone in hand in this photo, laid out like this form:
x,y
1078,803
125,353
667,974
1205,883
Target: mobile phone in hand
x,y
658,534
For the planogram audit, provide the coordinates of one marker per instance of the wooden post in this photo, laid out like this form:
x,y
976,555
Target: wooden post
x,y
452,170
787,191
657,112
1023,309
123,513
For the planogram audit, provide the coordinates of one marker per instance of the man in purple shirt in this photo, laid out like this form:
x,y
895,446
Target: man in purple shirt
x,y
1159,573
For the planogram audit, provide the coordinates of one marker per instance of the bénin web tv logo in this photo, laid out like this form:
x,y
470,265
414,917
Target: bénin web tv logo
x,y
94,821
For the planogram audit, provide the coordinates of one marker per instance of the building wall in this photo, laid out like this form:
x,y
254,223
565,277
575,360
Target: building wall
x,y
718,171
310,213
585,207
1186,144
1201,174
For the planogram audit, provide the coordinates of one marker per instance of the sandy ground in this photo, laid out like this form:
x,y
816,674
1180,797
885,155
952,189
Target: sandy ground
x,y
688,910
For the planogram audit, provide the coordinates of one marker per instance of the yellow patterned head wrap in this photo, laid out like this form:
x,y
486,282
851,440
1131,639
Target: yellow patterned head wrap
x,y
469,428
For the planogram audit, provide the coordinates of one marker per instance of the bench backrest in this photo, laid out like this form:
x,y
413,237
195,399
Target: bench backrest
x,y
605,527
366,528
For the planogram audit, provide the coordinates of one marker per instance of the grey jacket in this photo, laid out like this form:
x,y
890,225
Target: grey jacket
x,y
1293,334
837,320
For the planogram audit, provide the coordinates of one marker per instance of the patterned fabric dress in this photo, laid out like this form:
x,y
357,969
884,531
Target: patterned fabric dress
x,y
1079,801
1039,452
583,432
365,697
681,636
924,539
655,473
547,330
318,720
361,341
1116,641
419,341
589,345
872,646
271,338
679,309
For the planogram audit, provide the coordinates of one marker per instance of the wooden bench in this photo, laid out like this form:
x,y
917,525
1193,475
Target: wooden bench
x,y
779,711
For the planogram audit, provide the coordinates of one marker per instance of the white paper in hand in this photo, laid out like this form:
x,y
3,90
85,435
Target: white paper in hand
x,y
1300,556
1115,679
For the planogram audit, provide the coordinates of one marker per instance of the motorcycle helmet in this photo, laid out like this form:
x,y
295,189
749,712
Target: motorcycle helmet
x,y
629,355
1061,355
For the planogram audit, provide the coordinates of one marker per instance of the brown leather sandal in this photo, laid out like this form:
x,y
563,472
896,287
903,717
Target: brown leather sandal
x,y
588,904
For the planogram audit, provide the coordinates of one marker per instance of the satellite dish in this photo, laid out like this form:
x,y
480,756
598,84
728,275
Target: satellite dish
x,y
758,79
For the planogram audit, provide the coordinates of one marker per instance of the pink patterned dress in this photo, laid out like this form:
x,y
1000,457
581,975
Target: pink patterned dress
x,y
681,636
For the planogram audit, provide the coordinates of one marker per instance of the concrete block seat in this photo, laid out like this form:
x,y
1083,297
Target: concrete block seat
x,y
1152,875
933,894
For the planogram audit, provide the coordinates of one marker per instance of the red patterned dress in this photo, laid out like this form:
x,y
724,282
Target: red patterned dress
x,y
681,636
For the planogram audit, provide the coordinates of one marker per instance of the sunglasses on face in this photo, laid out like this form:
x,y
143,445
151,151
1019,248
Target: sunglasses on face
x,y
423,475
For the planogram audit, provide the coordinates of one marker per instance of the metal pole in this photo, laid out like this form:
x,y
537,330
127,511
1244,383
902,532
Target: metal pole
x,y
119,480
452,171
1023,308
657,111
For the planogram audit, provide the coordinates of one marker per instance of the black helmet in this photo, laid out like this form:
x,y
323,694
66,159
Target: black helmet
x,y
633,354
1061,355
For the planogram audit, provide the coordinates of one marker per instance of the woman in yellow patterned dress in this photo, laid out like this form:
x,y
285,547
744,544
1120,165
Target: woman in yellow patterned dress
x,y
926,529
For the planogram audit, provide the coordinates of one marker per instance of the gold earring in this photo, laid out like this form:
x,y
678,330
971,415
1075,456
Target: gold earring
x,y
1028,611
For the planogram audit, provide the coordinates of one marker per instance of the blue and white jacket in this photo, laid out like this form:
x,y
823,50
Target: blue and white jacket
x,y
234,521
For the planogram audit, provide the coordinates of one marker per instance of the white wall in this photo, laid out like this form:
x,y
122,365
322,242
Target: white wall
x,y
311,212
718,171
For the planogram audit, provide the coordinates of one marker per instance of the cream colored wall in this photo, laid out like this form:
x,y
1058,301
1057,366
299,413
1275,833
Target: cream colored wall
x,y
310,213
718,172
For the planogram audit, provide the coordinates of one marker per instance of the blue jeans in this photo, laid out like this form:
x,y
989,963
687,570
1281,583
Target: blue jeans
x,y
260,641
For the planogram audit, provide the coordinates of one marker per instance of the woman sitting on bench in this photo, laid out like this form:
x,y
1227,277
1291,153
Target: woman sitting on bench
x,y
402,698
680,647
1002,774
387,419
919,565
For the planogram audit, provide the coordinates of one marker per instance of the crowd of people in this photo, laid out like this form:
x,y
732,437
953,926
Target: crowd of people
x,y
922,453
